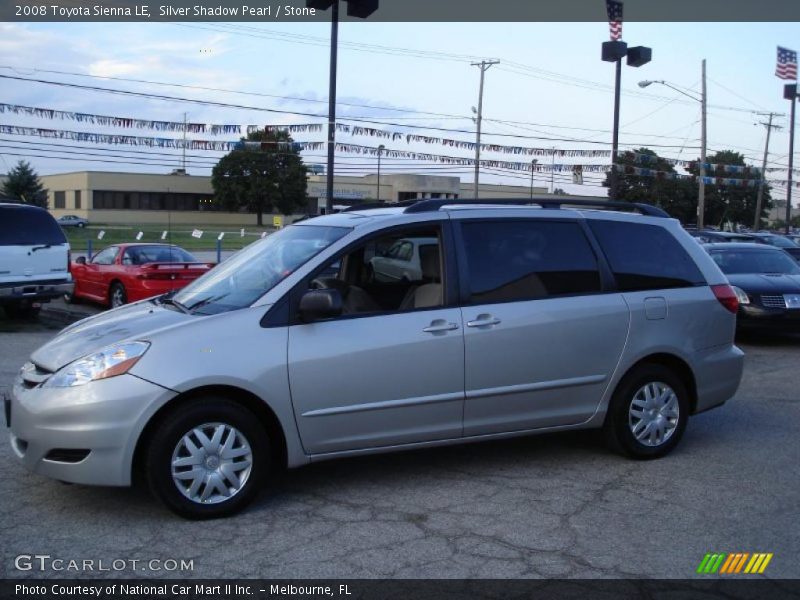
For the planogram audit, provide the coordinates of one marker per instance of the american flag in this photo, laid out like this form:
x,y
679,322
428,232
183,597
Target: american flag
x,y
614,10
787,64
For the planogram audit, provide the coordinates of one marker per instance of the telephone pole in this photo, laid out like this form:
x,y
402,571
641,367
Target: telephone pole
x,y
183,162
484,66
701,197
760,197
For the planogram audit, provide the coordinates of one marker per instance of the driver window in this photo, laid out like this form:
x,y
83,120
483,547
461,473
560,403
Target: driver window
x,y
396,272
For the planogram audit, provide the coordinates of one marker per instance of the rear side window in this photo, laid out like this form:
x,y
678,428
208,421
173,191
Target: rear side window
x,y
528,260
24,226
645,257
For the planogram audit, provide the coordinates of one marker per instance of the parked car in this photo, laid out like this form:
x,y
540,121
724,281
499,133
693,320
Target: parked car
x,y
766,282
705,236
125,273
527,319
34,259
403,260
779,241
73,221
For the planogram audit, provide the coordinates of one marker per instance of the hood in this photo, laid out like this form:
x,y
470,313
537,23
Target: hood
x,y
758,283
132,322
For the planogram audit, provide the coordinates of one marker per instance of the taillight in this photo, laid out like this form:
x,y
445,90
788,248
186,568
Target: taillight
x,y
69,259
726,296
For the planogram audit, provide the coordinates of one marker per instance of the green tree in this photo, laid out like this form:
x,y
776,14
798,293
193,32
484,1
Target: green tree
x,y
673,195
730,202
23,184
262,179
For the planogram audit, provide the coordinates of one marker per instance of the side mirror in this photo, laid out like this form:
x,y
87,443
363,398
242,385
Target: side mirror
x,y
81,260
320,304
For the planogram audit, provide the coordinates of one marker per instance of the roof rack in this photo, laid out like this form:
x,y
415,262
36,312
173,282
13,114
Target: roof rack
x,y
543,201
370,205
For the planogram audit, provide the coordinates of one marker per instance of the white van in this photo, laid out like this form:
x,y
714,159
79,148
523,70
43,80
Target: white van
x,y
34,259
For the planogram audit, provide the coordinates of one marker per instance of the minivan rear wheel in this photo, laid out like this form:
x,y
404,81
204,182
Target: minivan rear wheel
x,y
207,460
648,412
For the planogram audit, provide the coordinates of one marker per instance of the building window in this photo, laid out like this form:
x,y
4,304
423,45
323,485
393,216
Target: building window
x,y
153,201
77,198
59,200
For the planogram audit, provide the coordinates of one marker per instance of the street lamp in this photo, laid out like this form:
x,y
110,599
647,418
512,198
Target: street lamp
x,y
381,148
636,57
701,194
355,8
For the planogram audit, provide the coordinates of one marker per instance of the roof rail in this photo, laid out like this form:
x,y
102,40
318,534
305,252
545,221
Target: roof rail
x,y
370,205
543,201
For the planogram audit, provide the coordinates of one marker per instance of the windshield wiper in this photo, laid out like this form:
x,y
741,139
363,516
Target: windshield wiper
x,y
204,302
167,299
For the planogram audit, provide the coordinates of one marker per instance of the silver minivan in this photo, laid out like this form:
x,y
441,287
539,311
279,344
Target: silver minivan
x,y
520,320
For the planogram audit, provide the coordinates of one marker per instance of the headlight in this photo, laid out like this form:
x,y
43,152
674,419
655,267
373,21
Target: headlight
x,y
741,295
109,362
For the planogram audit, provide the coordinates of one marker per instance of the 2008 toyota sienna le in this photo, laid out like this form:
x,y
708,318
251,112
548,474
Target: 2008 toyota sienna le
x,y
515,320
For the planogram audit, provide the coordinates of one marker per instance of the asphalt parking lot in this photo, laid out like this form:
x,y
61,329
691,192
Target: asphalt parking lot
x,y
547,506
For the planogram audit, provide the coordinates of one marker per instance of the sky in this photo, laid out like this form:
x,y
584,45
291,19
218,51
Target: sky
x,y
550,89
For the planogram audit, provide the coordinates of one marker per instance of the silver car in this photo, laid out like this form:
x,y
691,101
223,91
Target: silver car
x,y
526,319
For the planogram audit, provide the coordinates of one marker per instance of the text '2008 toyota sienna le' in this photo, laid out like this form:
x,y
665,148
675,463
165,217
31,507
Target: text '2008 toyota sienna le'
x,y
305,346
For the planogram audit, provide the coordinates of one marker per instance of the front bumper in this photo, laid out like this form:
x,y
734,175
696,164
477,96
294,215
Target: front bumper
x,y
776,319
105,417
34,291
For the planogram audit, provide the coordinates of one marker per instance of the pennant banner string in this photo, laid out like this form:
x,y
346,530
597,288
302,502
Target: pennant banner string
x,y
126,122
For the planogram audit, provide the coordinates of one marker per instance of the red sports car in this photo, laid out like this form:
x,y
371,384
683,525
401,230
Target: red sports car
x,y
125,273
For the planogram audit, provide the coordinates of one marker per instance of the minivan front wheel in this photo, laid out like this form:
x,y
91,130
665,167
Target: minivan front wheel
x,y
648,412
208,459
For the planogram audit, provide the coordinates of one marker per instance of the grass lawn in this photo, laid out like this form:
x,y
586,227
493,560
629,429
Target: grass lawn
x,y
180,235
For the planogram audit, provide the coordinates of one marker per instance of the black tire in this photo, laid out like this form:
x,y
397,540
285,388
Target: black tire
x,y
620,422
117,296
81,225
71,298
168,435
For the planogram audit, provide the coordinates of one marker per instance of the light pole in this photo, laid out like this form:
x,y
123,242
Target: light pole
x,y
701,192
637,56
355,8
790,93
381,148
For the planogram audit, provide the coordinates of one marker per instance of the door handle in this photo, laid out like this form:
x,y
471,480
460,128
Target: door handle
x,y
483,321
440,325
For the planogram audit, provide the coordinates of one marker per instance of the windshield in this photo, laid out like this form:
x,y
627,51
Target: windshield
x,y
755,261
250,273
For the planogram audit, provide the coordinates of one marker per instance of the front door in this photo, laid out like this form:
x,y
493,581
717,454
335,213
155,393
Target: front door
x,y
389,371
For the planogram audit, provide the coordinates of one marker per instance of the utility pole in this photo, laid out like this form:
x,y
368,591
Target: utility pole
x,y
381,148
553,172
183,163
533,162
760,197
701,197
484,66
